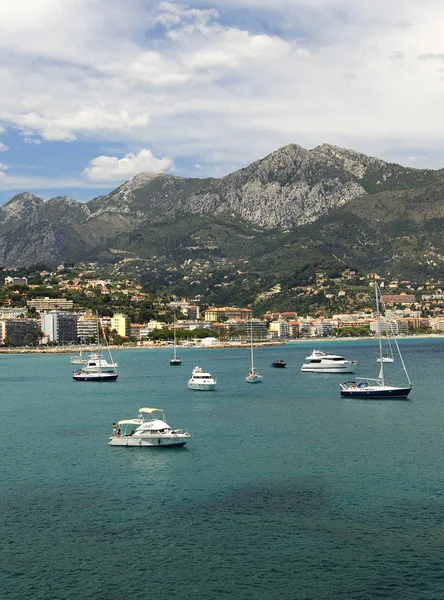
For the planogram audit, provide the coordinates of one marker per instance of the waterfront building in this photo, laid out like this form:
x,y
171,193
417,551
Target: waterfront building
x,y
87,327
228,312
152,325
136,330
280,328
122,324
191,325
59,326
19,332
257,327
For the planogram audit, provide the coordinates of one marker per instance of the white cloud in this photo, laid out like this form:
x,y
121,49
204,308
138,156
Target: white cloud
x,y
3,147
220,84
111,168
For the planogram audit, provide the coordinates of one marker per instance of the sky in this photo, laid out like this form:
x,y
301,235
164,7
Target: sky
x,y
95,91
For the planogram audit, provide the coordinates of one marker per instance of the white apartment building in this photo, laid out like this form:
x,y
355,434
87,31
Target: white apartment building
x,y
87,327
59,326
279,329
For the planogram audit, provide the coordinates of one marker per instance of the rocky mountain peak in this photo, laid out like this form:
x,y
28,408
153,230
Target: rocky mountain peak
x,y
21,205
353,162
290,187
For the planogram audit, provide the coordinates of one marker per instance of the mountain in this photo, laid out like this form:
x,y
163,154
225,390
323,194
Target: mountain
x,y
293,208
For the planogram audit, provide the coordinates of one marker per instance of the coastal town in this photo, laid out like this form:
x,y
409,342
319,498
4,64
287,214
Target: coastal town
x,y
71,304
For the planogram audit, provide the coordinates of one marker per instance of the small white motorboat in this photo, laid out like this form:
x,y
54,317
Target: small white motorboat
x,y
321,362
201,380
148,430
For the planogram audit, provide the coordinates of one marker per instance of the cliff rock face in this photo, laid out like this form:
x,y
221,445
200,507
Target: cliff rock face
x,y
289,188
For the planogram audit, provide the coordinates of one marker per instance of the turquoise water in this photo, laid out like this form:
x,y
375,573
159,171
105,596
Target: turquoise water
x,y
286,491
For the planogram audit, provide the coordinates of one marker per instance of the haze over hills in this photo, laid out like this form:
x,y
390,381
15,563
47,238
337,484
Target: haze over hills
x,y
293,209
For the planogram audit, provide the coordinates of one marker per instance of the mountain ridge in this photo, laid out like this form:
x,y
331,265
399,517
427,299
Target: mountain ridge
x,y
289,190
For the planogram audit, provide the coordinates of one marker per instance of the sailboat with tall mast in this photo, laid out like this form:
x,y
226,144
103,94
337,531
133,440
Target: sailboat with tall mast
x,y
378,388
80,358
253,376
98,368
175,361
387,356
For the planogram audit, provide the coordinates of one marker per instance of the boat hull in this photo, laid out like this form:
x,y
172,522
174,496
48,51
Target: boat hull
x,y
95,376
377,392
278,365
157,442
327,368
256,379
202,387
175,362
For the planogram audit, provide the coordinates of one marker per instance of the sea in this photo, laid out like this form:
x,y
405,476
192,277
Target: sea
x,y
286,491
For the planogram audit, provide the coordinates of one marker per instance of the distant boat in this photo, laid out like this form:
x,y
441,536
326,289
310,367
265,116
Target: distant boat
x,y
279,364
322,362
201,380
79,359
377,388
253,376
175,361
98,368
387,357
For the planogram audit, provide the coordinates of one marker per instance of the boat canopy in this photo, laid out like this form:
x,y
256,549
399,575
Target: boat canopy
x,y
131,422
149,410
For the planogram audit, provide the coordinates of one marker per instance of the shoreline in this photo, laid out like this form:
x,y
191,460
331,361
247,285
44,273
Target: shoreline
x,y
317,340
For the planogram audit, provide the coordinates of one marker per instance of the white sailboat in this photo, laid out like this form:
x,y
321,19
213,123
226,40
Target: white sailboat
x,y
253,376
175,361
377,388
80,358
98,368
387,356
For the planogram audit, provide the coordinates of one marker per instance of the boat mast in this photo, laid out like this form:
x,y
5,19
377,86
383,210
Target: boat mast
x,y
378,318
174,327
99,328
251,345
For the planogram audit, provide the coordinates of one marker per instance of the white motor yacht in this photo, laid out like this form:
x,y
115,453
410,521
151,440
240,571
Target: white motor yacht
x,y
321,362
201,380
148,430
97,362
